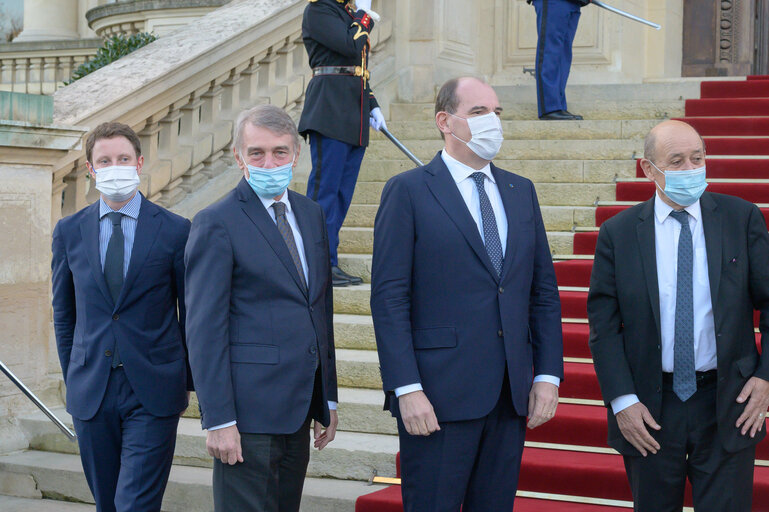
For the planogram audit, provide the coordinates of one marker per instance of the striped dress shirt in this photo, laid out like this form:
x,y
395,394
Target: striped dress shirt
x,y
130,213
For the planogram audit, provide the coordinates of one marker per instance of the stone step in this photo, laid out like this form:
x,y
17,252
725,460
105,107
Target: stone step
x,y
352,455
60,476
556,218
532,130
13,504
538,170
360,410
604,149
676,89
358,369
354,331
590,110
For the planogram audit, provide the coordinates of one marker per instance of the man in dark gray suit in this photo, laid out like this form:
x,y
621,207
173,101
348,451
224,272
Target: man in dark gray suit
x,y
260,323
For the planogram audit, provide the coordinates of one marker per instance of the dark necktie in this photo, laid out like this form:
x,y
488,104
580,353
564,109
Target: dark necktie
x,y
288,235
489,223
113,266
684,377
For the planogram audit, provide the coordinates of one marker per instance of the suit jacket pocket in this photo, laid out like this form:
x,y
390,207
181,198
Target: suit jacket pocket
x,y
77,355
434,337
254,354
167,353
747,365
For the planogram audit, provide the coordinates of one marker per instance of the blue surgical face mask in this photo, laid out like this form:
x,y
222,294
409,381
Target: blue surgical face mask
x,y
683,187
269,183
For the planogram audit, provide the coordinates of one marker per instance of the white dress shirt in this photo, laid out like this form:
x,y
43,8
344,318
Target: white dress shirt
x,y
462,175
291,218
666,233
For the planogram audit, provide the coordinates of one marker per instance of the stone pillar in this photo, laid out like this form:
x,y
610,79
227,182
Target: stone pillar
x,y
49,20
29,147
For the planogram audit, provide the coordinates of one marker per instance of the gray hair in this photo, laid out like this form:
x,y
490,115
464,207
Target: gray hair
x,y
271,117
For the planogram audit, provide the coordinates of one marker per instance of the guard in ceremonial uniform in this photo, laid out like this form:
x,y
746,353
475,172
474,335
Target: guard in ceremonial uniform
x,y
338,108
556,25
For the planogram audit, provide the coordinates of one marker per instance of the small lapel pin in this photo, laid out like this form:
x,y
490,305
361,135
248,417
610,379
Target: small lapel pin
x,y
734,260
512,186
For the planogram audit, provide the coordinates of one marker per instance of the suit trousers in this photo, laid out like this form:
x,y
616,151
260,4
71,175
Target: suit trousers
x,y
472,465
335,167
126,451
557,22
689,447
271,476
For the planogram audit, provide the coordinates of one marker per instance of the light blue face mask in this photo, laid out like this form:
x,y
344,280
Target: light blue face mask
x,y
269,183
683,187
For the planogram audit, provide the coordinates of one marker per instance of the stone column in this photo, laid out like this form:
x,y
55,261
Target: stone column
x,y
49,20
29,147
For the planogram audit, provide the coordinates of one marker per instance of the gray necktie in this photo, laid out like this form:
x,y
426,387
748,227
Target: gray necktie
x,y
113,266
489,223
684,376
288,235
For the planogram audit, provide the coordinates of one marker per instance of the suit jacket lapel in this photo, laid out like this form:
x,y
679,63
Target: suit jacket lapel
x,y
445,190
507,192
147,228
254,210
310,237
89,231
646,243
713,227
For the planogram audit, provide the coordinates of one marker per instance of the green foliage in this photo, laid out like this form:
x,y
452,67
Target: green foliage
x,y
115,47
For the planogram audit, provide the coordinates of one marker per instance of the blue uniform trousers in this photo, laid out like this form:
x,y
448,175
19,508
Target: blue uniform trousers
x,y
556,25
126,451
335,167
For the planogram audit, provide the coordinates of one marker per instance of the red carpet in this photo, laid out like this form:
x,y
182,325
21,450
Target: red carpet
x,y
729,88
602,475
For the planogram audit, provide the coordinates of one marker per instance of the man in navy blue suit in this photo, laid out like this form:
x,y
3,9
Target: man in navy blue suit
x,y
260,323
466,312
557,22
118,313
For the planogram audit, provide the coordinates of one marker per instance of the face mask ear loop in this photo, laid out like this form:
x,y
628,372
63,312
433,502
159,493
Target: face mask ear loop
x,y
452,132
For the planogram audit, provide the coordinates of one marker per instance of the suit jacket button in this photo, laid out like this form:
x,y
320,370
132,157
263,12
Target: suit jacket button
x,y
500,333
311,309
312,349
501,290
116,317
659,389
108,353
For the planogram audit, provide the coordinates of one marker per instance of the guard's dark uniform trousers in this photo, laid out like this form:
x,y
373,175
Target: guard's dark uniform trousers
x,y
556,25
337,104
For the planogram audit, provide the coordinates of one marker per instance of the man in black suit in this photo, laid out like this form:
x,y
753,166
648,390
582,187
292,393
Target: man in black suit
x,y
674,285
260,323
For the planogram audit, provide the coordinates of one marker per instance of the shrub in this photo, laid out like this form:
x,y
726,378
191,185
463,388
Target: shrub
x,y
114,47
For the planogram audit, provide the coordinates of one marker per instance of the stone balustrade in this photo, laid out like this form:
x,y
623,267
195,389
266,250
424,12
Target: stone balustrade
x,y
183,92
42,67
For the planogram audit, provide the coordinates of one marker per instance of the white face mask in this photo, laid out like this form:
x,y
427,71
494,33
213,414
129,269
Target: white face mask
x,y
486,131
117,182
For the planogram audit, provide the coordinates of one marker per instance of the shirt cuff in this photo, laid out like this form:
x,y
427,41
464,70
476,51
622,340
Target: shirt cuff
x,y
623,402
223,425
332,405
403,390
552,379
374,16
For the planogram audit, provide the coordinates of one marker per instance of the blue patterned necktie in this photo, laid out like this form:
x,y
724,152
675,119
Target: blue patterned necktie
x,y
288,235
684,376
489,223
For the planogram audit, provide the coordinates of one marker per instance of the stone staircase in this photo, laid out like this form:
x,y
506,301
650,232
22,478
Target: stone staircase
x,y
574,166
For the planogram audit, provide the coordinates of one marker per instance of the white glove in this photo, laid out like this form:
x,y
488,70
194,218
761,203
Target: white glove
x,y
377,120
363,4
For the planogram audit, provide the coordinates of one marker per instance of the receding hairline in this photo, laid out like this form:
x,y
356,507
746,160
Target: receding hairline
x,y
651,140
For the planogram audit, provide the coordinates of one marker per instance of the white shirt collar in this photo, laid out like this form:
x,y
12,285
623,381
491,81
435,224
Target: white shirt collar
x,y
662,209
268,202
460,171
